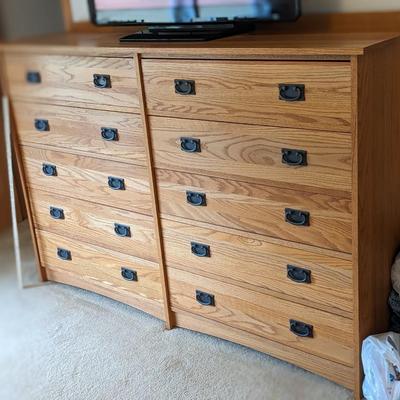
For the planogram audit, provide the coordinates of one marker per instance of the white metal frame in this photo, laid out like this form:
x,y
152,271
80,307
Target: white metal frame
x,y
9,156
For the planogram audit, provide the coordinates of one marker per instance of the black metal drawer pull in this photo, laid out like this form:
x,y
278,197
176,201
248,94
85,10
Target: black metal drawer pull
x,y
298,275
185,87
102,81
294,157
122,230
196,199
116,183
129,274
33,77
42,125
57,213
200,250
64,255
205,299
49,170
190,145
297,217
110,134
292,92
301,329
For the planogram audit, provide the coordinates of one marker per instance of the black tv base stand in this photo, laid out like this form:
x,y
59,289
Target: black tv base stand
x,y
188,33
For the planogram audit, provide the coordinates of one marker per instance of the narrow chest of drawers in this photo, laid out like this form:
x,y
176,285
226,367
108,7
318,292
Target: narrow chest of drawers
x,y
261,180
85,166
245,190
254,177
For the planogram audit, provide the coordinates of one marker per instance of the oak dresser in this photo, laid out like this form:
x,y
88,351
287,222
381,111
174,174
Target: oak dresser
x,y
247,188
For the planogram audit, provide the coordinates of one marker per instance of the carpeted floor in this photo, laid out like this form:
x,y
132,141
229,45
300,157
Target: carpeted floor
x,y
59,343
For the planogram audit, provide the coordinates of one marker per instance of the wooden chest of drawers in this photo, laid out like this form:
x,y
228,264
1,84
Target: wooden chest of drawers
x,y
245,190
83,155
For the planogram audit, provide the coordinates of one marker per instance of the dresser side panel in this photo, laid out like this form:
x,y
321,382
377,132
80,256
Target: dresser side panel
x,y
376,186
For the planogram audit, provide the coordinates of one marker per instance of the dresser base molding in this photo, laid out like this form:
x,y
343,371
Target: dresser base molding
x,y
338,373
149,306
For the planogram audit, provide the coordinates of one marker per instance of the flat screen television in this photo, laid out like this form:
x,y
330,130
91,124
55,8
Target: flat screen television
x,y
191,19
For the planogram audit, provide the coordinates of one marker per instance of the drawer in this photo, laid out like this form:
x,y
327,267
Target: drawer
x,y
339,373
103,268
259,209
71,79
109,135
250,92
264,315
111,228
88,179
305,277
277,156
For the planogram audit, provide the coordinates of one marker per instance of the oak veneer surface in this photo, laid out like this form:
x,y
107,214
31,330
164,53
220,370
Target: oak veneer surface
x,y
254,153
337,372
70,79
265,315
258,208
102,267
251,45
239,91
86,178
95,224
262,265
78,130
348,125
377,215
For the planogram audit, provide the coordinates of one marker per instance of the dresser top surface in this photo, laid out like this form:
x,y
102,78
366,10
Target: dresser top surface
x,y
252,44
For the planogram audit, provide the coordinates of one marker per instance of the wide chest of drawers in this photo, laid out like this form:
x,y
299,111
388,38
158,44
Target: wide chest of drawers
x,y
251,193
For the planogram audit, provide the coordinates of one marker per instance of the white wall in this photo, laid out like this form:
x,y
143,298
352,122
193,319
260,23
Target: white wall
x,y
20,18
80,9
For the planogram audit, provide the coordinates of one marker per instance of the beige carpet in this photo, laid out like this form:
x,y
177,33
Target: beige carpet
x,y
59,343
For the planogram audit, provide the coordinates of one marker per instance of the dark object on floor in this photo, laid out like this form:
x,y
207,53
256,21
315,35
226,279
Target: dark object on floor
x,y
395,324
394,303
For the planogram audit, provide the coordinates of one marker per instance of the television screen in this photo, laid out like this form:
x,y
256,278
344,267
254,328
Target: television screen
x,y
117,12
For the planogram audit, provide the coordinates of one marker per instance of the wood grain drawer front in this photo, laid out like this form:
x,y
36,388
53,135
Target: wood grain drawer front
x,y
249,92
110,228
277,156
71,79
258,209
103,267
304,277
264,315
109,135
89,178
339,373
